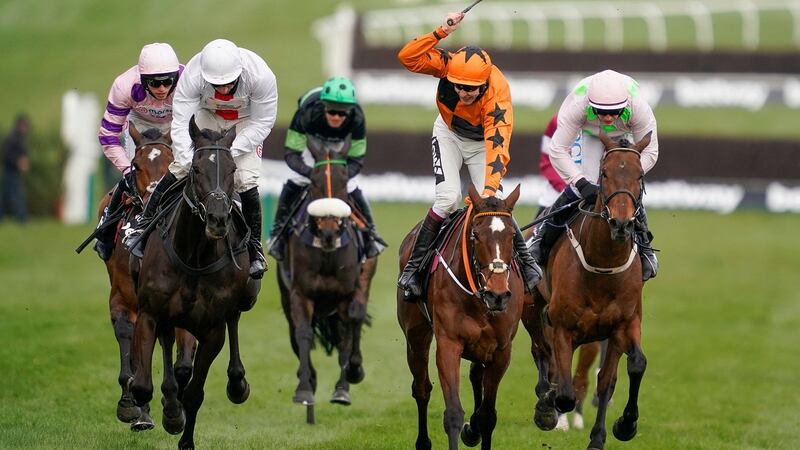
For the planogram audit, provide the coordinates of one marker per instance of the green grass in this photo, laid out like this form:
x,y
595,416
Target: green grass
x,y
721,325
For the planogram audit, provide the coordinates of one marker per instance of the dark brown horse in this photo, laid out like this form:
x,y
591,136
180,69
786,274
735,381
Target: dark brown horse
x,y
592,290
152,157
475,300
324,281
194,275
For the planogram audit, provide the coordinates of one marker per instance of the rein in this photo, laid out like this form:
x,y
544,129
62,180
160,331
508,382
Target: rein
x,y
139,147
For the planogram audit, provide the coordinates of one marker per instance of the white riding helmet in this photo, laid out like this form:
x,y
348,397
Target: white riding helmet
x,y
608,90
220,62
158,58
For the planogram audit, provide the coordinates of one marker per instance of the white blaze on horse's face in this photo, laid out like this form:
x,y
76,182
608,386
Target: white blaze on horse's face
x,y
497,224
497,247
212,157
154,153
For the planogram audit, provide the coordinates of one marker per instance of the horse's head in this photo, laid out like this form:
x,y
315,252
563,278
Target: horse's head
x,y
211,180
621,185
328,209
492,240
152,158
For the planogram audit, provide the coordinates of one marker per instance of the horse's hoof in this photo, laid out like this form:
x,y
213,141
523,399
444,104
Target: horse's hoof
x,y
354,374
127,412
143,423
423,444
622,432
188,445
470,437
545,417
563,423
174,425
238,396
341,397
565,404
303,397
577,421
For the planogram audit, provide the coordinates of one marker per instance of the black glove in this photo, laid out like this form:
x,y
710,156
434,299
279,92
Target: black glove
x,y
587,189
129,180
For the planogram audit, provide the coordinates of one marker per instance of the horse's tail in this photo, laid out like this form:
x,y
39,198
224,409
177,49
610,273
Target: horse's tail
x,y
329,331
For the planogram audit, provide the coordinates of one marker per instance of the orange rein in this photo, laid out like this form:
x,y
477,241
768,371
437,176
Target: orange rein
x,y
464,257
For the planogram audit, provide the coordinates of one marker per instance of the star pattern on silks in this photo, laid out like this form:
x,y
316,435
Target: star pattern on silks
x,y
498,114
496,165
472,50
497,139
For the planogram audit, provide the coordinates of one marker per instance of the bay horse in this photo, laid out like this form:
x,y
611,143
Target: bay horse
x,y
194,275
324,280
152,156
591,291
477,323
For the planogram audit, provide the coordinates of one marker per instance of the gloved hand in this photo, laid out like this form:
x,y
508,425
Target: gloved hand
x,y
586,189
130,180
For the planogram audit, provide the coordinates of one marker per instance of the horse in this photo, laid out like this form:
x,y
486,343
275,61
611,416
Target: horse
x,y
592,291
476,323
194,275
153,155
324,281
587,353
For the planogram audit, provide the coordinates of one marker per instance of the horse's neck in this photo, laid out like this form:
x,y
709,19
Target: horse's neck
x,y
594,235
189,237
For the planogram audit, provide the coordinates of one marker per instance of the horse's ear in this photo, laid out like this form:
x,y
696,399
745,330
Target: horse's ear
x,y
608,143
512,198
315,147
644,142
474,196
227,140
135,135
194,132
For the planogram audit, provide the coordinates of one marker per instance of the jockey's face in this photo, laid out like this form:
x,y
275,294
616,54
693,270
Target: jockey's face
x,y
335,118
467,94
607,116
160,88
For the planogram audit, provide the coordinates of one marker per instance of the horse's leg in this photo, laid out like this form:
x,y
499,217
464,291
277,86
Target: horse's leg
x,y
185,357
238,388
606,382
586,355
625,427
144,340
485,418
562,352
545,416
418,345
210,346
127,411
287,312
301,312
173,418
341,394
358,312
448,359
471,434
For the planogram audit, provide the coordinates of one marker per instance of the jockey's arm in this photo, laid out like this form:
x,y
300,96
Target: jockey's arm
x,y
263,110
498,121
571,117
113,123
185,103
642,122
420,56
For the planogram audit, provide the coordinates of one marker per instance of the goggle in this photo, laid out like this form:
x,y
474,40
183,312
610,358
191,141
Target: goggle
x,y
607,112
466,87
337,112
158,82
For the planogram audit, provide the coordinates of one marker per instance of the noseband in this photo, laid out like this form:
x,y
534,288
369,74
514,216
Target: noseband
x,y
497,266
197,204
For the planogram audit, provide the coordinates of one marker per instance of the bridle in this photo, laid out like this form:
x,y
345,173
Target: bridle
x,y
605,212
496,266
138,195
198,205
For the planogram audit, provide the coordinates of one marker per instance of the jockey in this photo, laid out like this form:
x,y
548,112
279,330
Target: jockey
x,y
608,102
224,87
473,128
143,95
329,113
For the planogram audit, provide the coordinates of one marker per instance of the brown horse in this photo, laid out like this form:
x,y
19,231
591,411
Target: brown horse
x,y
324,281
587,353
476,323
194,275
592,291
153,155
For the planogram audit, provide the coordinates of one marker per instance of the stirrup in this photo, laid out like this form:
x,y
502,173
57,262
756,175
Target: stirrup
x,y
649,265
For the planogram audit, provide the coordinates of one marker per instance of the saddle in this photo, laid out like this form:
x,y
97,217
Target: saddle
x,y
447,233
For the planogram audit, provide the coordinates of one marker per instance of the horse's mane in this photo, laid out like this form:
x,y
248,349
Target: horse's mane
x,y
492,203
152,134
212,135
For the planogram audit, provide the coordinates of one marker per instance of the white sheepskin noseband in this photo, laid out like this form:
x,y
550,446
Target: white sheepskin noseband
x,y
323,207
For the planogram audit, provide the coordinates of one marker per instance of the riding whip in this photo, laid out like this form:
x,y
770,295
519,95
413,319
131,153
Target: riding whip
x,y
551,214
464,11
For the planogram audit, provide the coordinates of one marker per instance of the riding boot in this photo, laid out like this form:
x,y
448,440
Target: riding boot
x,y
290,194
251,209
643,238
409,279
531,272
374,243
104,241
547,232
135,238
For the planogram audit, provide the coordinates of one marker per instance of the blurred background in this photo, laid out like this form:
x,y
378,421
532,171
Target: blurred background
x,y
721,321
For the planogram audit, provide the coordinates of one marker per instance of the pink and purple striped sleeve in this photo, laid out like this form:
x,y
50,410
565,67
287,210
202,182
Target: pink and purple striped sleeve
x,y
113,124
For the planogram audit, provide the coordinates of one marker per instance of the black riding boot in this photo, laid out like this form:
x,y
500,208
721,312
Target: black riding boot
x,y
375,244
643,238
547,232
409,280
290,194
531,272
104,241
135,238
251,209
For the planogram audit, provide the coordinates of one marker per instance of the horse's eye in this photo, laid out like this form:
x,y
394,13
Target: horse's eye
x,y
136,166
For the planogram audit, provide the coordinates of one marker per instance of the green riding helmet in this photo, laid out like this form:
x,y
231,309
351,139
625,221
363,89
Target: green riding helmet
x,y
338,90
